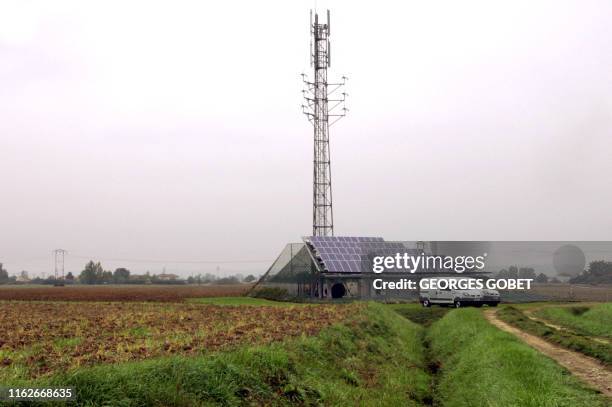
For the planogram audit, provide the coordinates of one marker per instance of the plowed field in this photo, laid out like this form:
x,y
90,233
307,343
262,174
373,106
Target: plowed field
x,y
39,338
154,293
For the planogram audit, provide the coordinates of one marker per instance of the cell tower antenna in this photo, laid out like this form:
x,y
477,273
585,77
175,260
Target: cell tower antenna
x,y
59,255
324,105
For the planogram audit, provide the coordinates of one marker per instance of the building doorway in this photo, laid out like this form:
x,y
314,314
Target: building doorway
x,y
338,290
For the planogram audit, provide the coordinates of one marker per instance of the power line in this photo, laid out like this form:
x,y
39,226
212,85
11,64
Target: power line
x,y
171,261
59,255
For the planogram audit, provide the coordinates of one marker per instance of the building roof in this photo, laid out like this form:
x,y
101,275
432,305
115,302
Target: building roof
x,y
351,254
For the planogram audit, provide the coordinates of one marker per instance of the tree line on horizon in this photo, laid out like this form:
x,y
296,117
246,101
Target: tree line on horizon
x,y
597,272
94,273
525,272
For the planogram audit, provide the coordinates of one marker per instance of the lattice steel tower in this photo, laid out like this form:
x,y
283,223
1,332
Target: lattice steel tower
x,y
322,111
59,263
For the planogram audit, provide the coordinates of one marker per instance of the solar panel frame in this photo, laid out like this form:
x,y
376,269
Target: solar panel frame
x,y
352,254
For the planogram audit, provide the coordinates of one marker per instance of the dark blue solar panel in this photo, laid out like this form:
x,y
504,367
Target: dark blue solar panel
x,y
352,254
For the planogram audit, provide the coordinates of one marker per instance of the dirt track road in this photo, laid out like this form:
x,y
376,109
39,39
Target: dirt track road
x,y
585,368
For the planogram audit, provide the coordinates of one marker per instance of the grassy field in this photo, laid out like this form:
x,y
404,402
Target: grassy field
x,y
593,320
235,350
483,366
374,358
584,344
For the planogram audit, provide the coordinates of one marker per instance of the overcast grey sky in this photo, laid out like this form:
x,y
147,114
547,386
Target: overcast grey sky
x,y
172,130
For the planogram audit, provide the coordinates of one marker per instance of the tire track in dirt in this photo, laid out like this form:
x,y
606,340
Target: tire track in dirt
x,y
585,368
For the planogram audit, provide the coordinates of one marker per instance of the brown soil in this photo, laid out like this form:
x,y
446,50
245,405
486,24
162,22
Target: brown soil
x,y
122,293
586,368
41,338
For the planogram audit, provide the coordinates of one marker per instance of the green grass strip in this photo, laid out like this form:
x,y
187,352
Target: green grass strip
x,y
595,320
479,365
376,358
582,344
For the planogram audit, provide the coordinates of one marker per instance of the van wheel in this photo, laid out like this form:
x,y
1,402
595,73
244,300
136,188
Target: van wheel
x,y
457,304
426,303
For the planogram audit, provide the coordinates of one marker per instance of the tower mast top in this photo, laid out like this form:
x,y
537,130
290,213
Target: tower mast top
x,y
324,104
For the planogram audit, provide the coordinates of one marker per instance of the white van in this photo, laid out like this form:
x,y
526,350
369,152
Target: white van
x,y
459,297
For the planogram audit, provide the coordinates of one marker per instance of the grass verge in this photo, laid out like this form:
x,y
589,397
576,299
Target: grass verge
x,y
483,366
375,358
594,320
419,314
582,344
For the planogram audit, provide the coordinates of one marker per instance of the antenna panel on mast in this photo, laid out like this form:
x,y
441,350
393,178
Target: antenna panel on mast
x,y
322,105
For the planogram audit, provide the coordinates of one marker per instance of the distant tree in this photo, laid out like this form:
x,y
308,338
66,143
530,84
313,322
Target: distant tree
x,y
599,272
107,277
250,278
121,276
555,280
99,275
227,280
511,272
209,278
600,268
4,277
526,272
69,276
24,275
92,274
541,278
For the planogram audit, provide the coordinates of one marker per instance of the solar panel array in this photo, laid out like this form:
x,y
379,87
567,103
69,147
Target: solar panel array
x,y
350,254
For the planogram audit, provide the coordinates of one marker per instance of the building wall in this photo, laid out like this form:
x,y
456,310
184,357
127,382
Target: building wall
x,y
361,287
